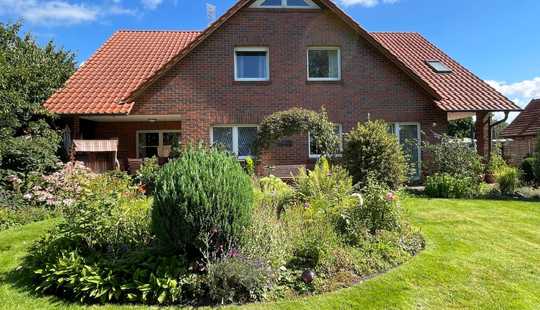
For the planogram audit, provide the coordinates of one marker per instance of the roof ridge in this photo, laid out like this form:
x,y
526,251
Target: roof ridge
x,y
394,32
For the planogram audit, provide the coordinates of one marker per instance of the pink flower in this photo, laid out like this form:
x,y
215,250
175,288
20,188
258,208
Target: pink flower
x,y
390,196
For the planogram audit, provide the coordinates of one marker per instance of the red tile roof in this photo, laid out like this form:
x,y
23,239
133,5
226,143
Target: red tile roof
x,y
459,90
527,123
119,67
131,61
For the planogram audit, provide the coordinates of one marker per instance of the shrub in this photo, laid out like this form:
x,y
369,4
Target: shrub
x,y
380,210
444,185
331,184
454,158
536,166
238,280
202,195
250,166
527,170
11,217
508,180
294,121
109,216
496,163
148,173
274,193
369,148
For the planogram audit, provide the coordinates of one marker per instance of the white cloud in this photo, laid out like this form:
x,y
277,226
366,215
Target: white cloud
x,y
366,3
520,92
59,12
151,4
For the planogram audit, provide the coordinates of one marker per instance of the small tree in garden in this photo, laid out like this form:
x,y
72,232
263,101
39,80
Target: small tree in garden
x,y
371,149
202,202
296,120
454,158
29,74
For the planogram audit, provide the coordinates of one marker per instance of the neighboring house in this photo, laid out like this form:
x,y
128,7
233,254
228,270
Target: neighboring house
x,y
523,132
147,88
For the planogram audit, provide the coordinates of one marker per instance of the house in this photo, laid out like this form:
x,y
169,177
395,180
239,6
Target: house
x,y
148,88
523,132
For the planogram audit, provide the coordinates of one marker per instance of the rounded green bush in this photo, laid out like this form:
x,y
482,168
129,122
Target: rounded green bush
x,y
202,202
370,149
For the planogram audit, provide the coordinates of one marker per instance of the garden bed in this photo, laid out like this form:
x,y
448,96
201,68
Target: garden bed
x,y
457,269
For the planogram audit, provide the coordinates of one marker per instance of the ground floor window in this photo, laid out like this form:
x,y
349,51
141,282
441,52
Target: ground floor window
x,y
237,139
156,142
314,152
409,137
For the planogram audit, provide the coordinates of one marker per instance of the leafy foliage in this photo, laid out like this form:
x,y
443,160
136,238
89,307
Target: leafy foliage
x,y
28,76
238,280
461,128
296,120
496,163
203,196
537,159
527,170
453,158
371,149
444,185
147,174
508,179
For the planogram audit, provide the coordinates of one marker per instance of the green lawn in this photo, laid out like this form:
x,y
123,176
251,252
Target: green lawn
x,y
480,255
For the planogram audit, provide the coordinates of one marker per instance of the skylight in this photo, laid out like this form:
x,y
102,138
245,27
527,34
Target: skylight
x,y
438,66
273,4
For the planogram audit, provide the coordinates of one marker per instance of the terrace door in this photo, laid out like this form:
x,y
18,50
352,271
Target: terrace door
x,y
409,137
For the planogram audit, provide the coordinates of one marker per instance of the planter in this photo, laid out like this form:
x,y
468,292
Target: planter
x,y
489,178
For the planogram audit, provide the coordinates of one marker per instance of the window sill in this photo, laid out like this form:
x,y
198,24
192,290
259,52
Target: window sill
x,y
269,82
334,82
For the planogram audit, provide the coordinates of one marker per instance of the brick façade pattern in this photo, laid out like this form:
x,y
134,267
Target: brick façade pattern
x,y
202,91
519,148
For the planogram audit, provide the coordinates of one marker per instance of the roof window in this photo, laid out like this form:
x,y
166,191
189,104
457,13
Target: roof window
x,y
438,66
277,4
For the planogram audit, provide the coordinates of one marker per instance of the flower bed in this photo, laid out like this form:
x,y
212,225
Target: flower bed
x,y
257,239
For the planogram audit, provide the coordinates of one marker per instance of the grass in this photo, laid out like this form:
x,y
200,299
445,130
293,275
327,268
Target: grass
x,y
479,255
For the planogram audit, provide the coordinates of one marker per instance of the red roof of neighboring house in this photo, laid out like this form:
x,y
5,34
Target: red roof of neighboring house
x,y
459,90
131,61
527,123
119,67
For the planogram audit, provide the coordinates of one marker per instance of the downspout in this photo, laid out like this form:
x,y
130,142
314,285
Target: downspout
x,y
491,126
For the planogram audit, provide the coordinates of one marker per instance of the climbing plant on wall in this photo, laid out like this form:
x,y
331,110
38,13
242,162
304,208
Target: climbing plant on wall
x,y
294,121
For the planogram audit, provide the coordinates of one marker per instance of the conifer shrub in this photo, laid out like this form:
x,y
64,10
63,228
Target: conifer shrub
x,y
202,202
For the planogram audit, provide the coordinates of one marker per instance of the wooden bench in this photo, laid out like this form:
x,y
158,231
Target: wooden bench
x,y
284,172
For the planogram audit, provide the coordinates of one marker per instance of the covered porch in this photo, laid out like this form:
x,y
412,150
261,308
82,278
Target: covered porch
x,y
137,137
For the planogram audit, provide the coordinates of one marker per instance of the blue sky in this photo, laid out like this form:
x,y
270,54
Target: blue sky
x,y
499,40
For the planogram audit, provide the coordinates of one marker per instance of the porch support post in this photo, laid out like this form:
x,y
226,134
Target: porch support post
x,y
75,127
483,134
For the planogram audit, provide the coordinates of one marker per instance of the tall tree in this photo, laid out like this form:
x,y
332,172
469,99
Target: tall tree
x,y
29,74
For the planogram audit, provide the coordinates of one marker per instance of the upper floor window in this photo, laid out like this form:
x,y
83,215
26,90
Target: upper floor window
x,y
324,64
299,4
251,64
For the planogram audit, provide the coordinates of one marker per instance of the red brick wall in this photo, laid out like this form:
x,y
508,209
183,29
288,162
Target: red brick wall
x,y
519,148
201,88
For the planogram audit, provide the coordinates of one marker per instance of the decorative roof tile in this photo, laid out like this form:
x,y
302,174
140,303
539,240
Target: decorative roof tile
x,y
460,90
527,123
119,67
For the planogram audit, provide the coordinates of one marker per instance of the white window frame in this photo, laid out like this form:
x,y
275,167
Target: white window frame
x,y
316,156
252,49
284,5
397,126
160,132
234,136
324,48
